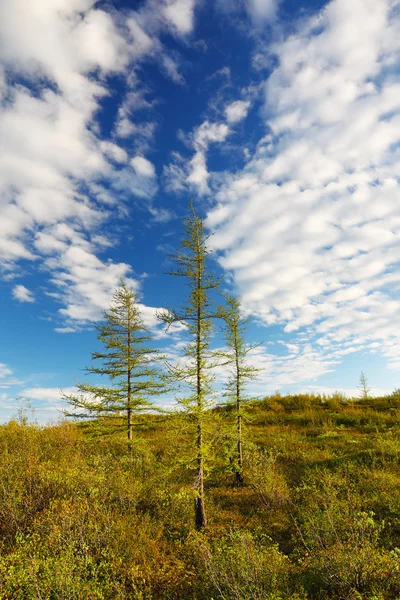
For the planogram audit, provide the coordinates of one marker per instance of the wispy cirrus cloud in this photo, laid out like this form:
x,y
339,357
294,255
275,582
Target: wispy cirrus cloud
x,y
5,371
7,378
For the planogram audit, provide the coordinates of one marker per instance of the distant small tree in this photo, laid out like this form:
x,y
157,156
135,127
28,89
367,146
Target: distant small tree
x,y
235,357
197,315
127,360
363,387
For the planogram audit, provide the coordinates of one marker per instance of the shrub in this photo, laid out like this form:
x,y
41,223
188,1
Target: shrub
x,y
343,551
241,566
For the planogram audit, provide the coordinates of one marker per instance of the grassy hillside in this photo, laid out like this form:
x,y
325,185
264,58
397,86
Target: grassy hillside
x,y
319,516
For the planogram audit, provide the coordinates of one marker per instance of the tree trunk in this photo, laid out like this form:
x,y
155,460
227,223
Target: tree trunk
x,y
238,477
130,424
199,505
130,430
200,513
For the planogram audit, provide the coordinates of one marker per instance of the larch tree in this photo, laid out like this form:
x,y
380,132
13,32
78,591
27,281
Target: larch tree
x,y
235,356
197,315
364,388
127,360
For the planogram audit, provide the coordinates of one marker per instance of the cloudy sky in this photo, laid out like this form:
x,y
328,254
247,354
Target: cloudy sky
x,y
280,119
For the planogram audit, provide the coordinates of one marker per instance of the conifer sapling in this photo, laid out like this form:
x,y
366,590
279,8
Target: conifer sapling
x,y
235,357
127,360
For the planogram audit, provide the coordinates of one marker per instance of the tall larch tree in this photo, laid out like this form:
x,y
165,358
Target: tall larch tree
x,y
235,357
196,314
127,360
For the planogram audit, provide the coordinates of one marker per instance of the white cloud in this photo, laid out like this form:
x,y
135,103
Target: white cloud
x,y
141,43
6,378
53,161
237,111
49,395
113,151
161,215
310,227
43,144
46,38
210,133
47,146
199,174
179,175
262,9
175,175
143,166
296,369
3,84
84,283
181,14
353,392
171,69
142,134
5,371
47,402
22,294
149,22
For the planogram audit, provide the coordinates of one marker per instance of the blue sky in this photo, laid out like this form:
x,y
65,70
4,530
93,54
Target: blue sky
x,y
280,119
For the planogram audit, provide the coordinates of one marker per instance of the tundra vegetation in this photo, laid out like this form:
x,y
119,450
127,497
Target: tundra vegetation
x,y
301,491
319,516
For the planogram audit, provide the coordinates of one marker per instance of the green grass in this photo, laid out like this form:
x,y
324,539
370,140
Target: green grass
x,y
318,518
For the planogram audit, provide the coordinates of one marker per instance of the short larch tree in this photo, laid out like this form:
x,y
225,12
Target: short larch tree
x,y
235,357
127,360
364,388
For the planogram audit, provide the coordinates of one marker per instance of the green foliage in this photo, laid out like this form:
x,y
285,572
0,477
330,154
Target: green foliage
x,y
342,541
240,371
127,361
196,315
267,477
237,349
243,566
